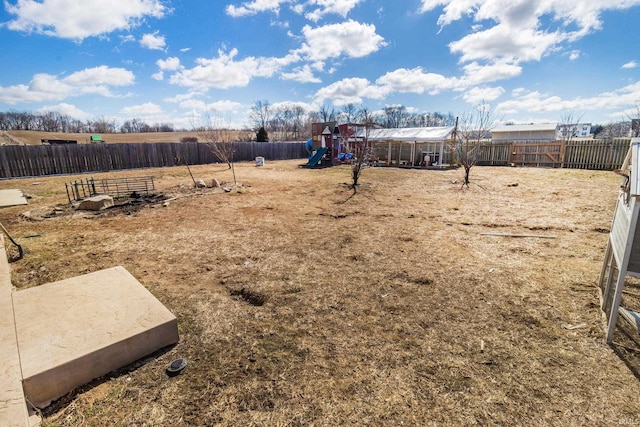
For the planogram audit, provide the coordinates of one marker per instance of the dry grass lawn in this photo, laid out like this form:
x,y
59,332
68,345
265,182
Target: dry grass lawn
x,y
301,303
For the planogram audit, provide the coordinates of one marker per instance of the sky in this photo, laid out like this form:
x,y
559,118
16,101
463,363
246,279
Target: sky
x,y
187,62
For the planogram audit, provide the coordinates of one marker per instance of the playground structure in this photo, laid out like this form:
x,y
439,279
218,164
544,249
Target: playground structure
x,y
424,147
329,144
622,257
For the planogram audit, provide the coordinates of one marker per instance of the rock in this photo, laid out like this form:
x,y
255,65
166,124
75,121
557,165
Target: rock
x,y
96,203
514,184
200,184
215,183
39,214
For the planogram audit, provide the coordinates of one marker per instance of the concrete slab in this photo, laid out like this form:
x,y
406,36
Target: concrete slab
x,y
12,198
96,203
75,330
13,406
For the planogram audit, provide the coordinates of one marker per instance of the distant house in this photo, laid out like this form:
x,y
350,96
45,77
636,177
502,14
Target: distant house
x,y
538,133
568,131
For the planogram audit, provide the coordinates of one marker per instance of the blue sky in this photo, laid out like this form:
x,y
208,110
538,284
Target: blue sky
x,y
178,62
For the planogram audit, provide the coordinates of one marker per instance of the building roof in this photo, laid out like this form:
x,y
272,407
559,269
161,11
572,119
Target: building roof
x,y
527,128
431,134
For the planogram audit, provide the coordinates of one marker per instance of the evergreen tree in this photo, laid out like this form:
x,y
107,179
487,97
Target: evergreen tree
x,y
261,135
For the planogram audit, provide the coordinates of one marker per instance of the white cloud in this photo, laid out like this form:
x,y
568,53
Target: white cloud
x,y
102,75
142,110
225,72
77,20
325,7
524,30
415,81
46,87
182,97
222,106
170,64
535,102
254,7
293,104
351,38
575,54
193,104
66,109
476,73
350,91
479,94
501,43
153,41
302,74
280,24
629,65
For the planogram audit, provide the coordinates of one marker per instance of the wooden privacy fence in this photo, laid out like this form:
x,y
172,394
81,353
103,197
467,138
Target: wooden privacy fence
x,y
596,154
38,160
539,155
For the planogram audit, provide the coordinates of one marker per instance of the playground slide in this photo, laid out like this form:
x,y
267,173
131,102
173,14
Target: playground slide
x,y
315,158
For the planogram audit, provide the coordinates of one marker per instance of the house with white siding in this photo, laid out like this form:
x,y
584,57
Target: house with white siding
x,y
537,133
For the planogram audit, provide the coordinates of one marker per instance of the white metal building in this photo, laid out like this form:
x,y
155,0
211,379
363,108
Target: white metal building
x,y
543,132
423,146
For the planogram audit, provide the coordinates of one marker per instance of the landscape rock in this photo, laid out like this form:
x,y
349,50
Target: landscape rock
x,y
96,203
39,214
215,183
201,184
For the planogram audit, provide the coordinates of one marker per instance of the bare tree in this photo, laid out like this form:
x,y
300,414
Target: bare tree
x,y
260,114
634,118
568,126
299,115
395,116
614,130
349,112
104,125
327,115
471,128
360,148
219,140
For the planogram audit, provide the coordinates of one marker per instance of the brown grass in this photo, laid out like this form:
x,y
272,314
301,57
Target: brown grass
x,y
300,303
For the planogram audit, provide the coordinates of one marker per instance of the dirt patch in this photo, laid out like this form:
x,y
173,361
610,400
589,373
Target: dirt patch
x,y
300,303
252,297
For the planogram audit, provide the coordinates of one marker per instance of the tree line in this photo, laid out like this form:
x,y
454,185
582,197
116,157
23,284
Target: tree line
x,y
52,121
